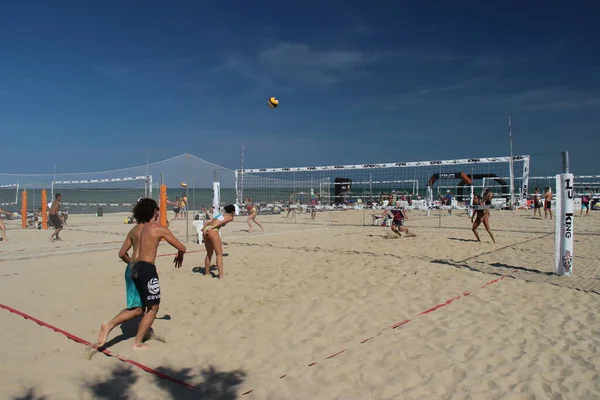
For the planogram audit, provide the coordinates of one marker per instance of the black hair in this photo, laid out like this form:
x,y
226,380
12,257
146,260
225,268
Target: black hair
x,y
57,195
144,210
229,208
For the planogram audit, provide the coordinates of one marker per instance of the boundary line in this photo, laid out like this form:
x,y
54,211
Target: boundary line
x,y
191,387
105,352
399,324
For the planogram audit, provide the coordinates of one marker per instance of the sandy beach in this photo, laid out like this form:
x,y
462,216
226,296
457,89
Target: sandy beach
x,y
436,316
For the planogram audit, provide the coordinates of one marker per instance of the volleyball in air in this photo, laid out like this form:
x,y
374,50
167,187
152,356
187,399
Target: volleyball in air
x,y
273,102
183,184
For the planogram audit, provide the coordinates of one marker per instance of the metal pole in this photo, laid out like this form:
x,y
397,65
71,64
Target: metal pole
x,y
565,158
53,179
187,198
512,179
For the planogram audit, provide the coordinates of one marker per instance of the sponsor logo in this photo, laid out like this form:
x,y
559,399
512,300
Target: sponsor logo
x,y
312,168
434,162
153,286
339,167
447,176
568,225
285,169
474,160
524,194
569,188
567,260
263,170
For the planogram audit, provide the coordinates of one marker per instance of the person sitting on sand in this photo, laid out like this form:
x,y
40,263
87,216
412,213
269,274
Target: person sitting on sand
x,y
141,280
482,216
212,239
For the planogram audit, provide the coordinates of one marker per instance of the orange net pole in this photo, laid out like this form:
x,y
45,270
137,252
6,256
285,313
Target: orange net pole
x,y
163,205
24,209
44,209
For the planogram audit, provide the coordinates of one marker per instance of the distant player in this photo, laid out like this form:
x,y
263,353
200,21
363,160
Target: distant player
x,y
141,278
212,239
252,213
481,216
547,202
585,202
55,218
537,202
399,216
2,226
487,197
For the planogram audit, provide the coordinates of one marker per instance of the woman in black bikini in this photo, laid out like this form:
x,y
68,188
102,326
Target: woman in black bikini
x,y
482,216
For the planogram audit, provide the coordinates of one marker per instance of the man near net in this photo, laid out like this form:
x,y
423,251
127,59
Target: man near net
x,y
55,218
141,278
547,202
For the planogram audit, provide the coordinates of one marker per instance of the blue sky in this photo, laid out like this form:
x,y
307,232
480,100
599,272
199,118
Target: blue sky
x,y
95,85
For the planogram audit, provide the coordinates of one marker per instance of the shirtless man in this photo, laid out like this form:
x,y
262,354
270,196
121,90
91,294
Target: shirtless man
x,y
144,238
482,216
2,226
547,202
54,217
212,239
143,214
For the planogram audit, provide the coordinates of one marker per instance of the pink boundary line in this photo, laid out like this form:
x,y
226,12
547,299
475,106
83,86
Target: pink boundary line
x,y
188,386
106,352
401,323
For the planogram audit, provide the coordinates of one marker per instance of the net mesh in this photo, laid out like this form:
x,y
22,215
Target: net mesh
x,y
413,184
116,190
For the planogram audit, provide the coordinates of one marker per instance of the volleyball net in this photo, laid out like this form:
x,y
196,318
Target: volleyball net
x,y
419,185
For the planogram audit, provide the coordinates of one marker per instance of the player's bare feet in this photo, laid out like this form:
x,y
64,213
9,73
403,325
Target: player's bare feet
x,y
141,346
103,335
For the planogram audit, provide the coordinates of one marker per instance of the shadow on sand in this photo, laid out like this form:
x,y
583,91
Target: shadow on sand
x,y
120,384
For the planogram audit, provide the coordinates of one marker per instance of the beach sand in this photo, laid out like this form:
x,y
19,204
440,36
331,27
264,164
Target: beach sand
x,y
301,292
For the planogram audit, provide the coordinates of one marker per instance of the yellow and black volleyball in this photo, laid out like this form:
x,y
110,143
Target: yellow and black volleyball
x,y
273,102
183,184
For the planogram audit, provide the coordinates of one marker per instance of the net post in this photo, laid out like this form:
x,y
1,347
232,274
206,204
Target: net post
x,y
525,183
163,204
565,160
216,200
564,233
24,209
44,209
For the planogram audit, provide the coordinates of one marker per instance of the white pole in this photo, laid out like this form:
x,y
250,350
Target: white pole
x,y
512,174
53,179
241,199
564,225
472,194
216,196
